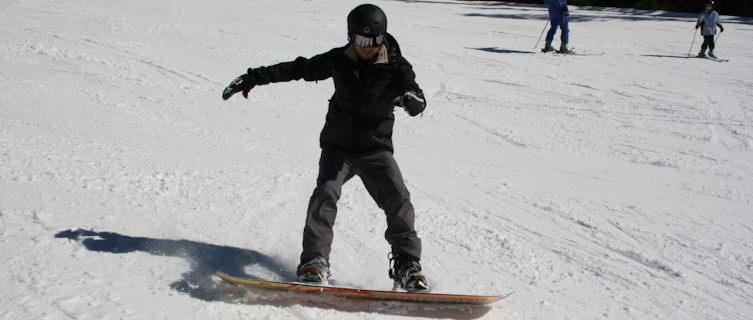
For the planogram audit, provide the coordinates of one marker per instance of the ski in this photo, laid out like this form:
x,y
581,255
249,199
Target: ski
x,y
570,53
713,59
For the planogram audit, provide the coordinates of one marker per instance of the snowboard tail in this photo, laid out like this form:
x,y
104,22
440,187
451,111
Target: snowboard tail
x,y
355,293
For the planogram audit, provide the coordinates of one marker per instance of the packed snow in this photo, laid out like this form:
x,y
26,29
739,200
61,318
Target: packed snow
x,y
613,184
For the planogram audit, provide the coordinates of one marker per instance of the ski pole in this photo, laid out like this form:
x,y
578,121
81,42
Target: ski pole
x,y
717,38
700,23
691,44
542,34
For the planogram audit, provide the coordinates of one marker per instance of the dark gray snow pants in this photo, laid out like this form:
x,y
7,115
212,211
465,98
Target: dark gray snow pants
x,y
381,176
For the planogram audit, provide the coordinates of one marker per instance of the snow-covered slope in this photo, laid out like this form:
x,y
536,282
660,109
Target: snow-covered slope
x,y
610,185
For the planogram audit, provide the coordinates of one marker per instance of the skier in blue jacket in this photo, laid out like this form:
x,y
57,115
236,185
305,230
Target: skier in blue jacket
x,y
558,16
707,21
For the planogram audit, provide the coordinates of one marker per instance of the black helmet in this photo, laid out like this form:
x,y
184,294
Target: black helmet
x,y
710,3
367,20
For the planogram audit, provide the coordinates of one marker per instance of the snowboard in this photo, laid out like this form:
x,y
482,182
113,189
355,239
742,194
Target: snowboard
x,y
355,293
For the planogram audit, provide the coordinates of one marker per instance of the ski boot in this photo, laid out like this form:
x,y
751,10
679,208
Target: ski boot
x,y
702,54
564,49
314,270
547,47
405,270
711,54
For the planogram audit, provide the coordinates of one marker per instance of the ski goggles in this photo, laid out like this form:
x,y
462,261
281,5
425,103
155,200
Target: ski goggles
x,y
367,41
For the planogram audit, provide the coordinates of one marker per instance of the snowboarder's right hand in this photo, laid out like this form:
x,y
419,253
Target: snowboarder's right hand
x,y
243,83
412,101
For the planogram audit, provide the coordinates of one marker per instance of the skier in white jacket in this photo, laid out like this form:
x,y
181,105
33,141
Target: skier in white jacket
x,y
708,20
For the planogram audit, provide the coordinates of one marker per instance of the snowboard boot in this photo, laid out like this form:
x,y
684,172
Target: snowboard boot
x,y
314,270
711,54
547,47
564,49
405,270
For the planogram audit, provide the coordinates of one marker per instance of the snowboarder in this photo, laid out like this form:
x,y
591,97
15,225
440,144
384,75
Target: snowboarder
x,y
559,16
707,21
371,77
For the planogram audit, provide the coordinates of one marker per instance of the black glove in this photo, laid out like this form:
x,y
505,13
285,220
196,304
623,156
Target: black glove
x,y
412,101
721,29
244,83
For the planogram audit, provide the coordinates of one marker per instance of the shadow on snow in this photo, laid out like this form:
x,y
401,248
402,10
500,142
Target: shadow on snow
x,y
206,259
499,50
668,56
579,14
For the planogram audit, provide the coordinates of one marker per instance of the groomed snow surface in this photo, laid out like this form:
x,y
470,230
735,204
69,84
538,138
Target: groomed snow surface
x,y
616,184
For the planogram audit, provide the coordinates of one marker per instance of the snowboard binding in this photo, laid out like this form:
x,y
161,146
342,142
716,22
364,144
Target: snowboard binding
x,y
405,270
315,270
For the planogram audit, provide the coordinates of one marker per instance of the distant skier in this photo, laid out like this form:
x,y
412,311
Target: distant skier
x,y
371,77
707,21
559,16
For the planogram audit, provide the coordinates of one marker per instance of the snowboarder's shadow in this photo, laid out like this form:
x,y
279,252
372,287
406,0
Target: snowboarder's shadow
x,y
206,259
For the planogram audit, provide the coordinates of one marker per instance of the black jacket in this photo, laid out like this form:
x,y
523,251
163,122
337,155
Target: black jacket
x,y
360,116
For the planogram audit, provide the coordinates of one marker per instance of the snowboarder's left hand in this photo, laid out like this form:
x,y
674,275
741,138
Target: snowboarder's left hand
x,y
243,83
412,101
